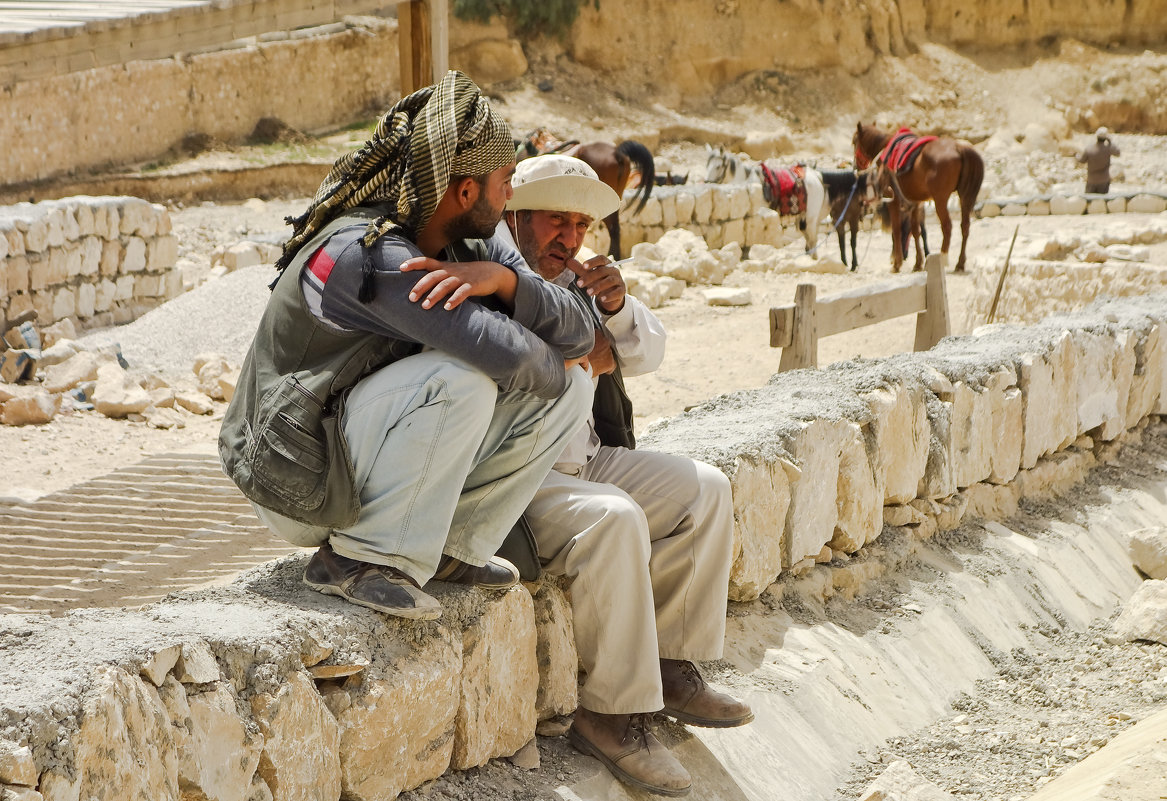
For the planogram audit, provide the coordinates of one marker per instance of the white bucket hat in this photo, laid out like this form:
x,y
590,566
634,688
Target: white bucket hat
x,y
1102,133
554,182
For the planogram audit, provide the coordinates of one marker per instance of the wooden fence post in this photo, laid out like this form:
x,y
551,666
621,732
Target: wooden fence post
x,y
803,350
423,42
932,323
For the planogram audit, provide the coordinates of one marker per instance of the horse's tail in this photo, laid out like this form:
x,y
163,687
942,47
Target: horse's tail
x,y
972,172
639,155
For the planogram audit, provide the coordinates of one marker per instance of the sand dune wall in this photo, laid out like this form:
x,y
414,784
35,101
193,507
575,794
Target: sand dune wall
x,y
829,469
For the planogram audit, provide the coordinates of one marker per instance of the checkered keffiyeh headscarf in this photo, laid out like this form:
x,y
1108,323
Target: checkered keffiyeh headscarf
x,y
441,131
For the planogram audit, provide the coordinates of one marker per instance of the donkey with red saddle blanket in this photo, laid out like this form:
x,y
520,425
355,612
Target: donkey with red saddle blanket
x,y
923,168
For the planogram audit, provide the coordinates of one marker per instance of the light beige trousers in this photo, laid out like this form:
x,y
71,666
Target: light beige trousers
x,y
647,539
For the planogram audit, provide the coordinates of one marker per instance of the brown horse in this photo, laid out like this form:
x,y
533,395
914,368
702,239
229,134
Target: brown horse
x,y
943,166
612,163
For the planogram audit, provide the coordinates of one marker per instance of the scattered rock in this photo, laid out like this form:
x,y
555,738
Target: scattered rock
x,y
1148,550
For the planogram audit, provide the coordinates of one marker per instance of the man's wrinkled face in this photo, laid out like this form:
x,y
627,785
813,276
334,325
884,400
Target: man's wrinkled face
x,y
547,239
479,221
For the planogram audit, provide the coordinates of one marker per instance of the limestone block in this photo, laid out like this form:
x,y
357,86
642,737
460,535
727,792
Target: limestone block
x,y
1038,207
70,256
1146,383
17,793
1148,550
1146,204
42,302
1144,617
684,202
739,201
972,434
991,501
761,502
300,760
83,214
117,394
197,664
899,781
13,238
1096,205
3,246
706,268
137,218
733,231
134,257
990,209
1054,475
835,500
91,249
162,253
160,663
86,298
938,480
1008,435
722,204
668,210
224,751
41,272
33,227
106,218
60,349
111,257
64,304
80,367
104,294
1104,366
172,284
148,286
1050,418
17,269
496,713
727,296
124,747
900,430
162,397
396,728
1014,210
755,230
703,203
713,234
16,764
1059,204
35,408
555,653
902,515
651,213
757,198
1116,205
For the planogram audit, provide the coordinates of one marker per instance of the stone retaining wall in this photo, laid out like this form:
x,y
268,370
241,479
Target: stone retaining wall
x,y
266,689
1150,202
97,260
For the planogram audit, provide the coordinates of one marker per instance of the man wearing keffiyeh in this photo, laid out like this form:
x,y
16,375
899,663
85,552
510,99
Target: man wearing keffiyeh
x,y
411,381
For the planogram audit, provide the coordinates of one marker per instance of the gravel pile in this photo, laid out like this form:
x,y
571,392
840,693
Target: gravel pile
x,y
219,316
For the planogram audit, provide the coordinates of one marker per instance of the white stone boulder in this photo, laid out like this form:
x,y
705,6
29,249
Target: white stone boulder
x,y
761,501
301,742
900,430
117,394
900,783
1050,414
1148,551
727,296
1144,617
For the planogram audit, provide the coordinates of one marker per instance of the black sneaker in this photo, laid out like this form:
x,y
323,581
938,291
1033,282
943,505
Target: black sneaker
x,y
379,587
497,574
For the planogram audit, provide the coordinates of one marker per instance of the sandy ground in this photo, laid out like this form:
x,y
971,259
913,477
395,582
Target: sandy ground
x,y
715,349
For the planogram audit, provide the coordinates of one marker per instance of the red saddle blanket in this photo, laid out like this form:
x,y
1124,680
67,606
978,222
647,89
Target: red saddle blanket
x,y
784,188
901,152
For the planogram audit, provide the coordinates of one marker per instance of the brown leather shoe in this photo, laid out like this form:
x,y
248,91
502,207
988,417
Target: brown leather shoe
x,y
497,574
629,750
379,587
690,700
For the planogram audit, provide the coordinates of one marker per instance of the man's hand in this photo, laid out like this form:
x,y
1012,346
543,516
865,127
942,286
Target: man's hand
x,y
602,359
601,280
456,281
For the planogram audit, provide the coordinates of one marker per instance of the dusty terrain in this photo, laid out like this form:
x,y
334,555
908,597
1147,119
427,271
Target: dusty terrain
x,y
1020,111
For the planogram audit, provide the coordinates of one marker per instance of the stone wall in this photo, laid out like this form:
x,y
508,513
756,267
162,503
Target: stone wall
x,y
96,260
267,690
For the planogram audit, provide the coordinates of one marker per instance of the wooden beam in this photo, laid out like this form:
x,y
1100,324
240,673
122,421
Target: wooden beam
x,y
803,349
871,304
413,44
932,323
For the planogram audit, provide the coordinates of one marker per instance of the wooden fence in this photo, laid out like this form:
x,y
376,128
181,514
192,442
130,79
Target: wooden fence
x,y
796,328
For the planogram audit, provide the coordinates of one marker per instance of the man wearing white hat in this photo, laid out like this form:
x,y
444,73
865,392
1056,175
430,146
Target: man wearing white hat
x,y
1096,157
646,537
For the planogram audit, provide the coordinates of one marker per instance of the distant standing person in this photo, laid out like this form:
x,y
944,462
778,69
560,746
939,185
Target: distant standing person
x,y
1096,157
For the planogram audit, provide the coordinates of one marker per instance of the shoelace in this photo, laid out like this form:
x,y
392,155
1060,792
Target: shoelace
x,y
638,728
689,671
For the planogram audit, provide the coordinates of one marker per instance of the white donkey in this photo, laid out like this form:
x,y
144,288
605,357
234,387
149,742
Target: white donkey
x,y
722,167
